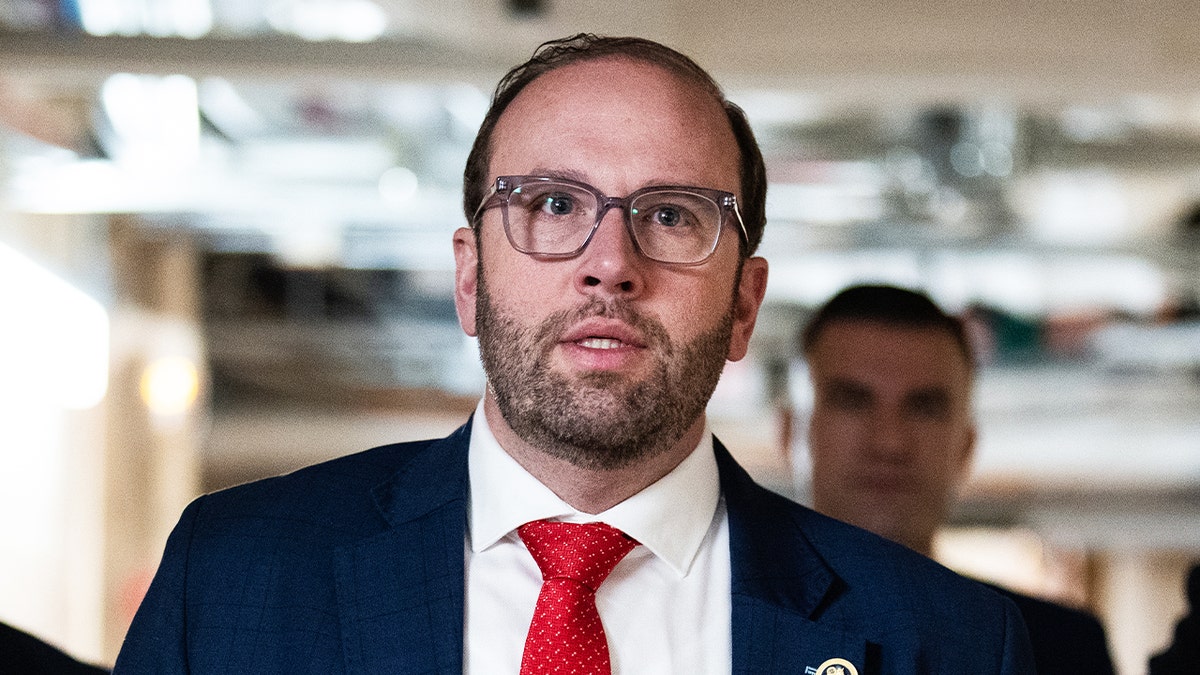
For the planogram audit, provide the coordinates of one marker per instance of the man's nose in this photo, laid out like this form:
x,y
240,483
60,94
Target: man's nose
x,y
611,263
889,436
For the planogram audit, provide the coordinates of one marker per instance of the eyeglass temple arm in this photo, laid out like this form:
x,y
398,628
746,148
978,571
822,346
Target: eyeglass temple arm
x,y
732,204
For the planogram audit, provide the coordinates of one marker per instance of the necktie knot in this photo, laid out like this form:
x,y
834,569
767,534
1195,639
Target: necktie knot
x,y
583,552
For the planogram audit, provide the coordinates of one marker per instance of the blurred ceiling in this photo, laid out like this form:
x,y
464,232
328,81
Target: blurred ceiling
x,y
1040,159
1051,52
872,108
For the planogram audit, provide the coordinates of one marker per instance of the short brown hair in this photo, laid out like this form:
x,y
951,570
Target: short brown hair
x,y
889,305
587,47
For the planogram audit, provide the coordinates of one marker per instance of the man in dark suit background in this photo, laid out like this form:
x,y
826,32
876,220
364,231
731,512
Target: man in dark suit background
x,y
1182,656
892,435
25,654
615,200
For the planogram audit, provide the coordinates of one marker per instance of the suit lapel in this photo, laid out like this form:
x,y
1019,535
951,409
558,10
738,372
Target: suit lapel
x,y
400,592
780,584
770,639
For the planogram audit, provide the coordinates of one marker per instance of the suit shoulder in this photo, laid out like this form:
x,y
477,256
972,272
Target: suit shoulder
x,y
1048,611
890,578
872,567
330,492
1065,639
359,467
920,615
851,549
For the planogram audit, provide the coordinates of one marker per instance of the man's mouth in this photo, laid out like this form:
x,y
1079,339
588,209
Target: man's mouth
x,y
888,482
600,343
603,334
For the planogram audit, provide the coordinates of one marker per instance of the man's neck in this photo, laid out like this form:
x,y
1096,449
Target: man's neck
x,y
590,490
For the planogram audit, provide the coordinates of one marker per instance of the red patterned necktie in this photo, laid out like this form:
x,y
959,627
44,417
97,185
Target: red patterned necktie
x,y
566,637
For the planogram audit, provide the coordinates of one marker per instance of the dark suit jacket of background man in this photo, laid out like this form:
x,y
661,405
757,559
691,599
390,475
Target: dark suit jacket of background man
x,y
1065,640
25,654
1182,656
356,565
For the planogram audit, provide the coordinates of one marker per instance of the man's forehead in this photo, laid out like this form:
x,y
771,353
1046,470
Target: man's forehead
x,y
611,88
876,350
635,123
864,381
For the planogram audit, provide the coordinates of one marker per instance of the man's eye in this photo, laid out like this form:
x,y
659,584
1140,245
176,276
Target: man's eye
x,y
848,399
668,216
931,406
558,205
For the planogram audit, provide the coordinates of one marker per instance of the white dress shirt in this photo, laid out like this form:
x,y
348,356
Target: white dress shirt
x,y
665,607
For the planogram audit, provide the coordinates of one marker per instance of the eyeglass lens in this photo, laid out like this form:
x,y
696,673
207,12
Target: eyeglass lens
x,y
551,218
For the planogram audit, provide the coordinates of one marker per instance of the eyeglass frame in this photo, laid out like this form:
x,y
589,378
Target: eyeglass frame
x,y
501,188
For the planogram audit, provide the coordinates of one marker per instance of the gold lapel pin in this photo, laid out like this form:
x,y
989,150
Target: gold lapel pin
x,y
837,667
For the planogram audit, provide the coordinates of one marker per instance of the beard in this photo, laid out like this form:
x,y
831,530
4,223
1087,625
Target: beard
x,y
597,420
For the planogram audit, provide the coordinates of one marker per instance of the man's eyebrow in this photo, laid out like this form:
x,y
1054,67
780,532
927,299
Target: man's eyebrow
x,y
568,174
847,384
937,394
581,177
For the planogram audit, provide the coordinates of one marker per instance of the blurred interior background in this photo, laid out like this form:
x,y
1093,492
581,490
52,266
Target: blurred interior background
x,y
224,254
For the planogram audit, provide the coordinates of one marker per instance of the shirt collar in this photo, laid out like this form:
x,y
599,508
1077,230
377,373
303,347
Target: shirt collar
x,y
670,517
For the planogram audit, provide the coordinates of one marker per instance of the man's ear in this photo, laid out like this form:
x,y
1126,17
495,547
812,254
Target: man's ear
x,y
747,300
466,277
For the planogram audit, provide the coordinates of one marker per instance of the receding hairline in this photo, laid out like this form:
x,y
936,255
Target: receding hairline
x,y
701,87
690,88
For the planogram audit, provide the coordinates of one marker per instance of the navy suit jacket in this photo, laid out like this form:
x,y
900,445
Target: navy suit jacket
x,y
1182,657
25,654
1064,639
356,566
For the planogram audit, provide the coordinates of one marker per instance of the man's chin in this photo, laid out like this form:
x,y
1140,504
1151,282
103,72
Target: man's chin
x,y
605,389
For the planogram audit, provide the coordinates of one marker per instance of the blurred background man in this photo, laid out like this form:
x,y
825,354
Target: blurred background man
x,y
892,436
26,654
1183,654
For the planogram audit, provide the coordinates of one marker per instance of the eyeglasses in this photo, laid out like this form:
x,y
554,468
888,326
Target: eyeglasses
x,y
557,218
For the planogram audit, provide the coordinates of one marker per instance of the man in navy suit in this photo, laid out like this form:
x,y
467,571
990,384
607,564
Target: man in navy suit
x,y
891,439
1182,656
615,200
26,654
